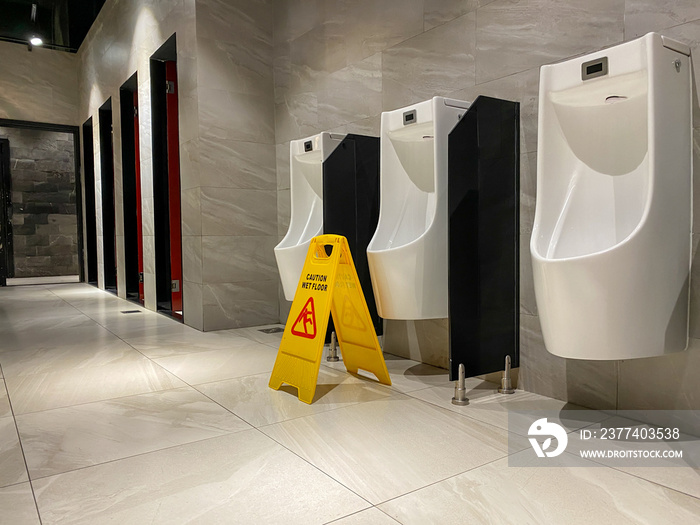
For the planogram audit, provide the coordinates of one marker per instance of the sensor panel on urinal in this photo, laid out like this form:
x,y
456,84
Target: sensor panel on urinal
x,y
611,240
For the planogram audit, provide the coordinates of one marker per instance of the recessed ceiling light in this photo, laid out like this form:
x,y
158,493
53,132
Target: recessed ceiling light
x,y
36,41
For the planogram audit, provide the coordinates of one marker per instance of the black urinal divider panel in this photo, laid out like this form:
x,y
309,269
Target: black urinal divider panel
x,y
483,202
351,204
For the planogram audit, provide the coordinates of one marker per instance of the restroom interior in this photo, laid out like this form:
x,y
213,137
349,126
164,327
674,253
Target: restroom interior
x,y
318,69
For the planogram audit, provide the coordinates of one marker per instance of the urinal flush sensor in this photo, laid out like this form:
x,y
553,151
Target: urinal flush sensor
x,y
594,68
409,117
308,146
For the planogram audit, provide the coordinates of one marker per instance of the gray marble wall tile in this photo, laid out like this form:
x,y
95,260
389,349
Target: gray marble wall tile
x,y
528,305
437,12
40,86
285,306
436,62
233,20
315,53
192,258
369,126
227,259
243,66
642,16
187,70
695,289
149,290
284,211
351,93
121,266
191,211
236,116
591,384
516,35
237,305
369,26
147,215
233,164
667,382
149,254
192,305
233,211
189,107
282,165
521,87
528,190
281,70
190,167
425,341
293,18
297,117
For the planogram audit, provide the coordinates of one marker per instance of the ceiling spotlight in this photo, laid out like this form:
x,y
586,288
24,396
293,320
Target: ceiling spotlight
x,y
36,41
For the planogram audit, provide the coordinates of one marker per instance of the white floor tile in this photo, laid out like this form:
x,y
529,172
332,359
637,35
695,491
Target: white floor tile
x,y
12,469
406,375
49,358
157,346
254,401
497,493
487,405
64,439
258,335
32,393
4,403
17,505
217,365
240,478
382,449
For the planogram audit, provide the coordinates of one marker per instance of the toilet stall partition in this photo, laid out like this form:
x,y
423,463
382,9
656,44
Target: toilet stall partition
x,y
483,202
351,204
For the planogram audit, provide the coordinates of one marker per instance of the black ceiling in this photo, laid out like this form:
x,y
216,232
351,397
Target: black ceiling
x,y
61,24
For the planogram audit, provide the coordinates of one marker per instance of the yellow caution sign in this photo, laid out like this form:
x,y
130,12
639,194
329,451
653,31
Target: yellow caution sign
x,y
328,286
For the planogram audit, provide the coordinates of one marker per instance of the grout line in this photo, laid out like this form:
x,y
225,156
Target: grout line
x,y
315,467
21,447
145,453
359,512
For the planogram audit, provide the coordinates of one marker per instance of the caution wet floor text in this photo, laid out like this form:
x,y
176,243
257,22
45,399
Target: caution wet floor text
x,y
328,286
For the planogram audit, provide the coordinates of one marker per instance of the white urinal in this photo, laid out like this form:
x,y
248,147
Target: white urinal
x,y
306,188
408,254
611,241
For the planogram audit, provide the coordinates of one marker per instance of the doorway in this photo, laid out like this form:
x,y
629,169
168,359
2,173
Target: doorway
x,y
40,203
166,180
131,186
6,269
109,238
90,212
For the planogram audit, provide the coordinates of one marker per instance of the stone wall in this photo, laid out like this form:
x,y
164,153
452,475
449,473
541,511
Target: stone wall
x,y
44,219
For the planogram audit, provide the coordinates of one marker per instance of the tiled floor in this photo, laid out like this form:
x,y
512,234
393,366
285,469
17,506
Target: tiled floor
x,y
107,417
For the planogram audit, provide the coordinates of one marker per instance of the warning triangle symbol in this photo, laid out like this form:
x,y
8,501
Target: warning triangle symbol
x,y
351,318
305,325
